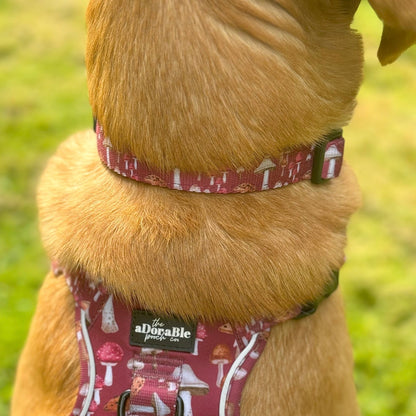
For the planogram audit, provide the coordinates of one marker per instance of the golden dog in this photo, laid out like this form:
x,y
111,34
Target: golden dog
x,y
205,86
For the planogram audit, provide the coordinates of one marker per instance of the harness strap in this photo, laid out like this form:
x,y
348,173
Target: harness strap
x,y
155,384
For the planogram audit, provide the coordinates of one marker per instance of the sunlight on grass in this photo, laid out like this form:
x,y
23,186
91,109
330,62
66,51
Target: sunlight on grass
x,y
378,279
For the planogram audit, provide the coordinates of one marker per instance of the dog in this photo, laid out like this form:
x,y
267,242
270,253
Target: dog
x,y
209,88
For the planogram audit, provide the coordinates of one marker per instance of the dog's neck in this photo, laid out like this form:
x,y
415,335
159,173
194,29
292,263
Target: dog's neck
x,y
317,162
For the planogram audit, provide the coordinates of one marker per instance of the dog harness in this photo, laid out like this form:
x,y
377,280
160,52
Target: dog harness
x,y
134,363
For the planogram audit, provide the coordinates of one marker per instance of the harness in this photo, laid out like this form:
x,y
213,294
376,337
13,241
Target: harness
x,y
135,363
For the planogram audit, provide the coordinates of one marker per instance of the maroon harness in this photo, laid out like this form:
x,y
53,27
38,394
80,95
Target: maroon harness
x,y
135,363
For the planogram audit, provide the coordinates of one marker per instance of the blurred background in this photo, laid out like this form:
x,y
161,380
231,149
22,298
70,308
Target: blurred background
x,y
43,98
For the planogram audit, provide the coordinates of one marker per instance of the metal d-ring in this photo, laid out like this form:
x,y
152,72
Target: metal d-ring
x,y
121,406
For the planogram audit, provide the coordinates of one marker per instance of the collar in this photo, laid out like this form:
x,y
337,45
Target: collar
x,y
317,163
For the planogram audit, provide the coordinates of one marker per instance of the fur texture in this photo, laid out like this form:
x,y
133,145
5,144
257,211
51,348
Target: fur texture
x,y
204,86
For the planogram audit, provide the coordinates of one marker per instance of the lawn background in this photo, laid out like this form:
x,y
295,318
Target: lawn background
x,y
43,98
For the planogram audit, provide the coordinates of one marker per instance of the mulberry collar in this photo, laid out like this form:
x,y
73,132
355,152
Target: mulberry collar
x,y
317,163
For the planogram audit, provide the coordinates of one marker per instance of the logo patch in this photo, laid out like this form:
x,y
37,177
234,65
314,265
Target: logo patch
x,y
152,331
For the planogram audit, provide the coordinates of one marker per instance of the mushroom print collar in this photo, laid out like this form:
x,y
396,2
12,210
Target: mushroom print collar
x,y
179,370
317,163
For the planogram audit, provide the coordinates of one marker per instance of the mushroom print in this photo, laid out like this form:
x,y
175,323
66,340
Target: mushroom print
x,y
98,386
92,409
220,356
135,364
332,154
177,179
201,334
190,386
265,166
109,355
109,324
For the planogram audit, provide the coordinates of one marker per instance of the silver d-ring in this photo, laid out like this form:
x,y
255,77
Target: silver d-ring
x,y
121,407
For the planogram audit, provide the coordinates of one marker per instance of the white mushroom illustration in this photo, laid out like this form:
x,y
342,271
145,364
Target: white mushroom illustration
x,y
190,386
265,166
237,349
195,188
177,179
158,407
240,374
109,324
135,364
109,355
332,154
220,356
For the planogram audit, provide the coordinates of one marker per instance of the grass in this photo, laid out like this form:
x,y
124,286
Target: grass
x,y
43,98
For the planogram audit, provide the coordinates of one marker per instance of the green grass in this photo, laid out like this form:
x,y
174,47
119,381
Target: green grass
x,y
43,98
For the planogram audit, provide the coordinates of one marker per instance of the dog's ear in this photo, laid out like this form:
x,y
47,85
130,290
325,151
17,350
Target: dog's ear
x,y
399,32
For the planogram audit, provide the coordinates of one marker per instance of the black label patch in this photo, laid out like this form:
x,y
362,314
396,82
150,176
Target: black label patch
x,y
152,331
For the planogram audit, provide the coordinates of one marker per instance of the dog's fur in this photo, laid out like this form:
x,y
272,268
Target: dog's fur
x,y
205,85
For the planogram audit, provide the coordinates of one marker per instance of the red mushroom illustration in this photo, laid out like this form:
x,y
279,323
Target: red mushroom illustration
x,y
220,356
92,409
201,334
283,163
109,355
109,324
299,159
98,386
292,166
